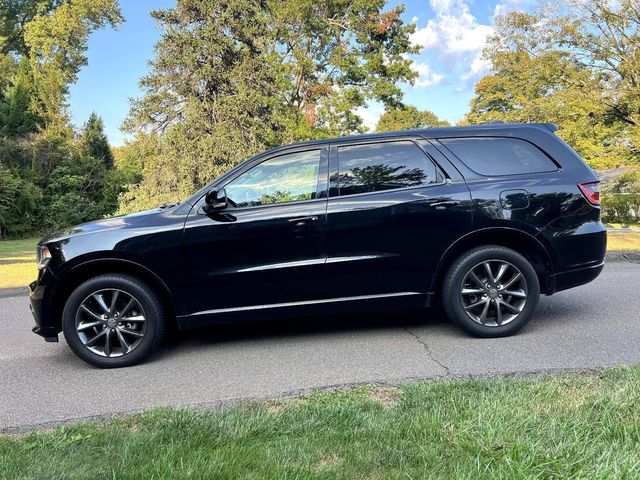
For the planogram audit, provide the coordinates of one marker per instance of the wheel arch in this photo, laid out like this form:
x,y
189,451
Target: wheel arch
x,y
100,266
522,242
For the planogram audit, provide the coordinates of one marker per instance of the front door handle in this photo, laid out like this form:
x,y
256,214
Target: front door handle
x,y
442,205
300,220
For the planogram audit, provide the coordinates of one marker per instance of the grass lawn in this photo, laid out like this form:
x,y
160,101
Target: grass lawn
x,y
567,426
18,262
623,241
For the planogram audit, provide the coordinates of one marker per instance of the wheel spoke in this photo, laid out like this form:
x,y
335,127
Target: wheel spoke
x,y
474,305
471,291
92,341
107,343
485,310
131,332
510,307
114,299
501,270
487,269
512,281
86,326
475,279
498,311
123,342
515,293
128,307
98,297
137,318
94,315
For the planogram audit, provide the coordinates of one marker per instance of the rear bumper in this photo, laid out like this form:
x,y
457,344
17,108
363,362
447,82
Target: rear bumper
x,y
39,298
573,278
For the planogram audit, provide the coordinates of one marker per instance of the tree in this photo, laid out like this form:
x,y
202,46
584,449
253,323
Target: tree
x,y
16,117
48,178
14,16
408,118
576,65
56,41
94,141
233,78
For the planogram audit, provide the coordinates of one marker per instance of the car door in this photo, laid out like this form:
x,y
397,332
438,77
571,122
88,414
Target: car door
x,y
267,247
392,213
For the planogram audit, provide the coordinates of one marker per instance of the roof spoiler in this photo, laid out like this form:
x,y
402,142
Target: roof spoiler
x,y
551,126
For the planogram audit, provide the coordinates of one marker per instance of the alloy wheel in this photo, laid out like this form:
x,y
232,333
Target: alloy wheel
x,y
110,322
494,293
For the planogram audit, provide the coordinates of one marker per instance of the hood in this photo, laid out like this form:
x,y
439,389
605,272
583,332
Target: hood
x,y
111,223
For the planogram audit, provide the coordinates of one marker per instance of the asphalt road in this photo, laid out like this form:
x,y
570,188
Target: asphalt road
x,y
43,384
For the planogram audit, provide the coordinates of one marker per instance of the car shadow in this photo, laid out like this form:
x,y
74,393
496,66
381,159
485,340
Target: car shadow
x,y
309,325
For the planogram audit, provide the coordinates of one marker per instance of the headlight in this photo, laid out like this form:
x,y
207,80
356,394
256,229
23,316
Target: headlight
x,y
43,256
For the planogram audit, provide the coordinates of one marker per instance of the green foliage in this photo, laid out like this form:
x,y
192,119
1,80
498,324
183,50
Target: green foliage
x,y
621,208
621,199
94,141
407,118
16,117
233,78
573,65
56,43
49,179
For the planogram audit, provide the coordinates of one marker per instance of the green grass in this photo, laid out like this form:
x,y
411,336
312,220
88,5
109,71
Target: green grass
x,y
567,426
18,262
623,241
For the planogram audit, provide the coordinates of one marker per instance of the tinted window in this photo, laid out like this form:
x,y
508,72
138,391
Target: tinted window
x,y
287,178
499,156
383,166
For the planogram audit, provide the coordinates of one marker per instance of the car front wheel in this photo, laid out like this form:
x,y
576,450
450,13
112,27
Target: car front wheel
x,y
491,291
113,321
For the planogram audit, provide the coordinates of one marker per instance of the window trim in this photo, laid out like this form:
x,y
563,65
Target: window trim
x,y
334,166
448,152
322,180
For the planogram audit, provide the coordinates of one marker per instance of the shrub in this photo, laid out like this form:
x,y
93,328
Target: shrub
x,y
621,208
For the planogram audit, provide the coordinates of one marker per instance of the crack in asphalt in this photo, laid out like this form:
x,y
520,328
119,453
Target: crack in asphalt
x,y
428,350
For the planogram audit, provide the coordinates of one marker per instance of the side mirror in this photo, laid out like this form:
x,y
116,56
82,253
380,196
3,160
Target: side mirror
x,y
215,200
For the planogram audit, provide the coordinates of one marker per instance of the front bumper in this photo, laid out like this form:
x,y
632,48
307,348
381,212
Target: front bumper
x,y
39,296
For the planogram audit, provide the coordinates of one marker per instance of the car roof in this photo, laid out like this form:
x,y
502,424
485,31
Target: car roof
x,y
456,131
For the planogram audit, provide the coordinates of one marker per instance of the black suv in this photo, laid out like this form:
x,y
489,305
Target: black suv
x,y
481,218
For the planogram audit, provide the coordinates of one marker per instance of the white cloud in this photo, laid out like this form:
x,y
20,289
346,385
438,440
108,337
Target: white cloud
x,y
479,67
457,37
370,115
453,29
426,76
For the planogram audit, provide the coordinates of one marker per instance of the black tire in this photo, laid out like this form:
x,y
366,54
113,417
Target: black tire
x,y
129,287
458,276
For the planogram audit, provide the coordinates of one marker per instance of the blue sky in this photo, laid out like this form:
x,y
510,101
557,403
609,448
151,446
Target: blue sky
x,y
451,32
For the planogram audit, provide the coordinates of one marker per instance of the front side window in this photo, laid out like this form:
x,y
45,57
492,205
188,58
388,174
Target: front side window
x,y
499,156
287,178
383,166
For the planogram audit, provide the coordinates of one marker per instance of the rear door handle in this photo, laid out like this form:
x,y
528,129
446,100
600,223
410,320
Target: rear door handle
x,y
300,220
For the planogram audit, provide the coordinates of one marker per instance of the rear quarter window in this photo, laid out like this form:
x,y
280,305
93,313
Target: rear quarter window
x,y
493,156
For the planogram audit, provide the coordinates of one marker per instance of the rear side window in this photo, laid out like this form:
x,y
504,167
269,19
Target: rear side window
x,y
383,166
499,156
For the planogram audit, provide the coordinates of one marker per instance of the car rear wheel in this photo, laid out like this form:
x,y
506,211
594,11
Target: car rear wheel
x,y
491,291
113,321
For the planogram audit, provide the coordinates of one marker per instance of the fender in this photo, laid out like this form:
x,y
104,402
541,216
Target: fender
x,y
506,236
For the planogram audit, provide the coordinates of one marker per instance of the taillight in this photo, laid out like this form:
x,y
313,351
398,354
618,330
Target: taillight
x,y
591,191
